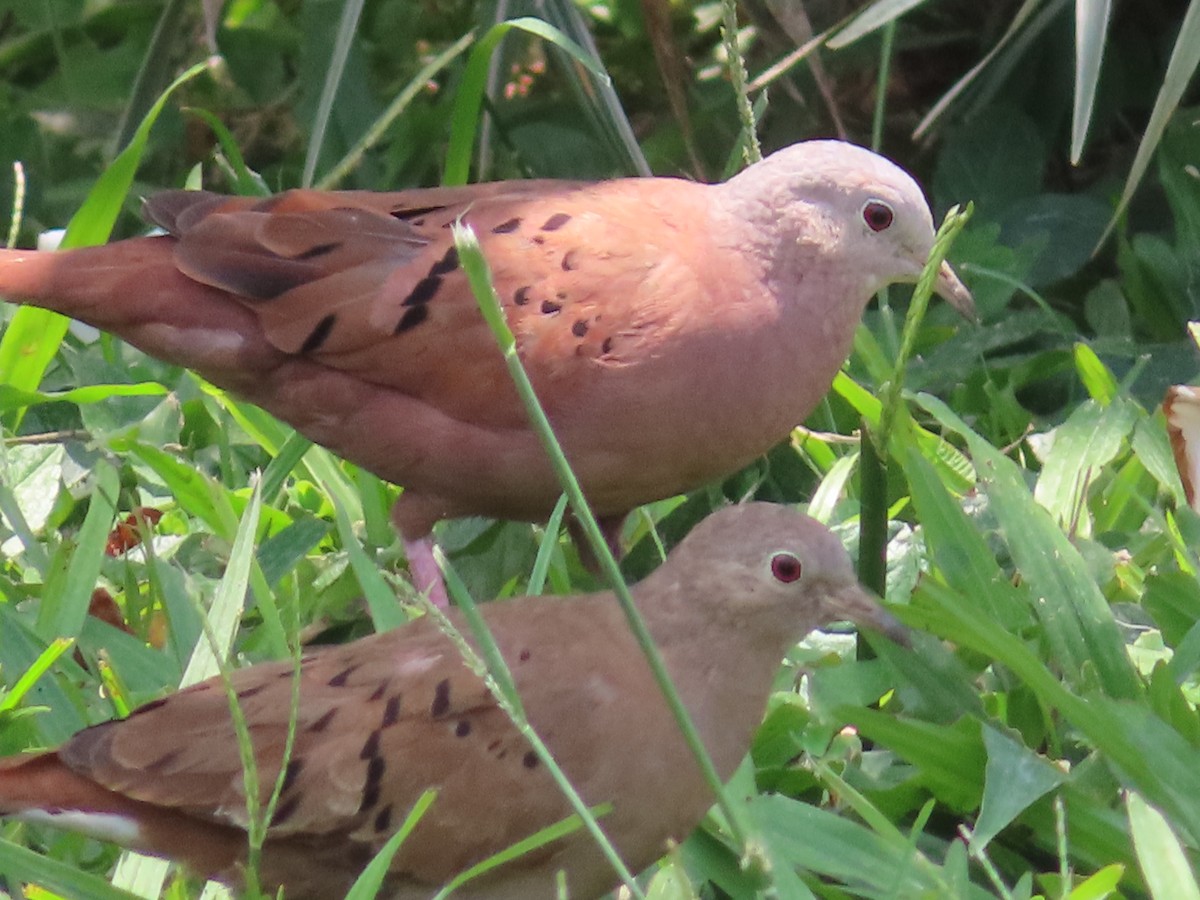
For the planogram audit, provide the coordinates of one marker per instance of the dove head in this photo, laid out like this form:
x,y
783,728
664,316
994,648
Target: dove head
x,y
770,563
847,205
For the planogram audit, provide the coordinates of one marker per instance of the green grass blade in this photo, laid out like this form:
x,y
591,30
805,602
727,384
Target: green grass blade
x,y
1185,57
368,884
65,602
399,104
1091,25
465,119
875,16
56,876
351,12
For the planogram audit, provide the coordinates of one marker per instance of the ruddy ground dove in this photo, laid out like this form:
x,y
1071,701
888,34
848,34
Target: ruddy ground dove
x,y
386,717
673,331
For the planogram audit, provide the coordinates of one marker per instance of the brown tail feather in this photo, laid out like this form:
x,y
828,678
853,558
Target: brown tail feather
x,y
134,289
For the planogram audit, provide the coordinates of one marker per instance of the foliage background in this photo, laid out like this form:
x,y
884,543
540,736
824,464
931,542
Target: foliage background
x,y
1042,737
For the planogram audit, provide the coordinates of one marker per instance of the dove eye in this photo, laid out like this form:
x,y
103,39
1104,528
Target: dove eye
x,y
785,567
878,215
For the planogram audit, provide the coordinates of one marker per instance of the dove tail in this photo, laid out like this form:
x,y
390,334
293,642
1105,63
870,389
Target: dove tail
x,y
95,284
134,289
41,789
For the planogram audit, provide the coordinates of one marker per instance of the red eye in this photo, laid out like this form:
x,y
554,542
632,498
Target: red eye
x,y
785,567
877,214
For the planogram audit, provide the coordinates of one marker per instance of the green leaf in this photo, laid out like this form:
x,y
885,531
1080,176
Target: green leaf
x,y
1015,778
1089,440
1163,859
1077,621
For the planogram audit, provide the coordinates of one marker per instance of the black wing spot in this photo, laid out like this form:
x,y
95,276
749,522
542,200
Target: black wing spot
x,y
521,297
408,215
383,821
607,346
555,222
371,787
340,679
369,798
446,264
524,656
322,723
391,712
151,706
423,291
412,317
378,693
549,307
370,747
286,809
462,729
318,251
580,328
530,760
441,699
318,335
163,761
291,773
570,261
508,227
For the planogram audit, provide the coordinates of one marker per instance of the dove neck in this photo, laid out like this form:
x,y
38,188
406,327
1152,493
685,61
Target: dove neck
x,y
799,252
722,657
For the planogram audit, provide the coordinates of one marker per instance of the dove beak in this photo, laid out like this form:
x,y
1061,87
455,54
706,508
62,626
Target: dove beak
x,y
856,604
951,289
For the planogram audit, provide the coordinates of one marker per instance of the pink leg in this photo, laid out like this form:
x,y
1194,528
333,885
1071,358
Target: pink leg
x,y
423,568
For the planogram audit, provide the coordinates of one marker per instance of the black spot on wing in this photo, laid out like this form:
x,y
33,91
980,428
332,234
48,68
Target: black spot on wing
x,y
391,712
446,264
370,747
318,250
383,821
318,335
291,773
412,317
580,328
163,762
423,291
508,227
151,706
322,723
555,222
414,212
286,809
550,307
372,785
521,296
378,693
340,679
463,728
441,699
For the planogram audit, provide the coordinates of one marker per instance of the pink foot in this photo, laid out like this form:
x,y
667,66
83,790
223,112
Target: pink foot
x,y
423,568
